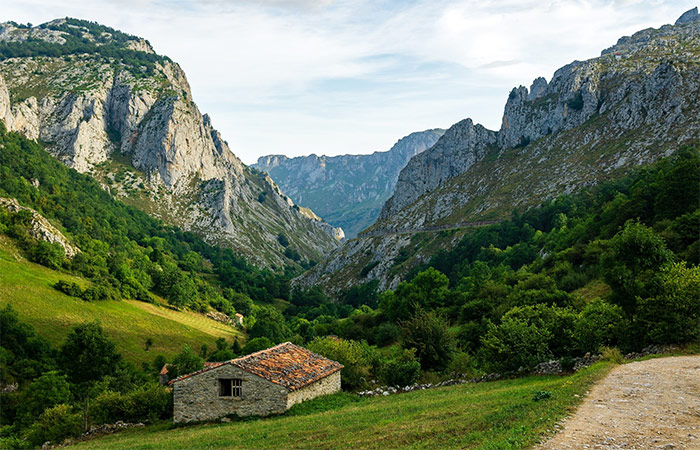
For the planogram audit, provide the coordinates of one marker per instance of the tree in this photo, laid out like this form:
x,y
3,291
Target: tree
x,y
48,390
86,357
636,254
256,344
270,323
358,358
427,290
185,362
520,340
672,314
429,335
599,324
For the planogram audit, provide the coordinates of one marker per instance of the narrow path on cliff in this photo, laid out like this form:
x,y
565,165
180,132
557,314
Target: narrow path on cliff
x,y
653,404
426,229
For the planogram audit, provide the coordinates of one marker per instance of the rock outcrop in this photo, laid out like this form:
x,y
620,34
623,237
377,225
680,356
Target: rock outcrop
x,y
136,128
594,120
40,228
347,190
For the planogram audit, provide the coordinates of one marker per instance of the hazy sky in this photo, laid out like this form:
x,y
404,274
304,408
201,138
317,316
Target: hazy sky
x,y
329,77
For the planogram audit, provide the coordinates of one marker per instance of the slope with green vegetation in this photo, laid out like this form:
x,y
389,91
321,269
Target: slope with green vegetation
x,y
139,330
502,414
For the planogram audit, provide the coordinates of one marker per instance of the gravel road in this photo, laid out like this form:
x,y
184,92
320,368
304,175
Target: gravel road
x,y
653,404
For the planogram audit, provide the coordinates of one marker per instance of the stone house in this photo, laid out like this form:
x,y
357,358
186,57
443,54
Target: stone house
x,y
266,382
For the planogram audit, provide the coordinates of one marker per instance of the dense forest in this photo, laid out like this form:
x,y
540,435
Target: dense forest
x,y
613,266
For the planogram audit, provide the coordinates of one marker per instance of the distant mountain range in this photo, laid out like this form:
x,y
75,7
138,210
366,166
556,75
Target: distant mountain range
x,y
595,120
107,105
349,190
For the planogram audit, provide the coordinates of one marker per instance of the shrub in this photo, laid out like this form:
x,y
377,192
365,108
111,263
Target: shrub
x,y
599,324
672,316
69,288
520,340
55,425
400,370
541,395
463,364
256,344
186,362
148,403
428,333
48,390
386,334
360,360
611,354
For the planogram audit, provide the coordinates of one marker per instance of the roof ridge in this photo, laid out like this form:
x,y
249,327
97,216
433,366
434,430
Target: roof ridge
x,y
259,352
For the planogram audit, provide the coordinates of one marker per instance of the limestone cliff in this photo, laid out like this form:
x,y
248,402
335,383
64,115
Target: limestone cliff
x,y
114,109
594,120
348,190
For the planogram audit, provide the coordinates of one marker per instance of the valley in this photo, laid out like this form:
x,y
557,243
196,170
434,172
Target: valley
x,y
467,288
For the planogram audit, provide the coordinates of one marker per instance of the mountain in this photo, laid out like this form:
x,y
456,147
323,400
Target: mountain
x,y
595,120
106,105
348,190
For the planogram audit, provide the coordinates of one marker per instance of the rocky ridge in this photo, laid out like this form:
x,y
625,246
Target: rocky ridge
x,y
40,227
346,190
140,133
594,120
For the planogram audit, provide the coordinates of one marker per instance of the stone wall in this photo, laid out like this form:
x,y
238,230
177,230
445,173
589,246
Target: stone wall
x,y
197,398
324,386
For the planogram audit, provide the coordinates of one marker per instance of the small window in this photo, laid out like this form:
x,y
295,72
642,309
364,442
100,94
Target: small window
x,y
230,387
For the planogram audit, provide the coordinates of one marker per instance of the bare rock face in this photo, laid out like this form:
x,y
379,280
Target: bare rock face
x,y
594,120
41,228
347,190
140,133
689,16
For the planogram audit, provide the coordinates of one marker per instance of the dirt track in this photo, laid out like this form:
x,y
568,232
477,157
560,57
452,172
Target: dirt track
x,y
653,404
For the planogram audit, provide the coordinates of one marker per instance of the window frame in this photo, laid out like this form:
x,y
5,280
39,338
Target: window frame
x,y
230,387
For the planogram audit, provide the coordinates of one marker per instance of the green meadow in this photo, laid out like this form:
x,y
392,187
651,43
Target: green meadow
x,y
28,288
492,415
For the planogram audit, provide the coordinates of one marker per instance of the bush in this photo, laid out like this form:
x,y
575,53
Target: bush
x,y
463,364
359,359
186,362
148,403
256,344
386,333
69,288
541,395
672,316
400,370
428,333
599,324
520,340
611,354
55,425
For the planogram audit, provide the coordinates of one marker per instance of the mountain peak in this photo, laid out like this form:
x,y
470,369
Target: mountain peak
x,y
689,16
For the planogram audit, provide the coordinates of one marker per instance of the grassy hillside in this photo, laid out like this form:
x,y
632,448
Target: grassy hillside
x,y
496,415
28,288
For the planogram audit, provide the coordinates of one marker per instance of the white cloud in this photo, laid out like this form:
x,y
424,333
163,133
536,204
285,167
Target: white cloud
x,y
332,77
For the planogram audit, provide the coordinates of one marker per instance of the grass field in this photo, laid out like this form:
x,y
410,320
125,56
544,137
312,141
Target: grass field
x,y
28,288
494,415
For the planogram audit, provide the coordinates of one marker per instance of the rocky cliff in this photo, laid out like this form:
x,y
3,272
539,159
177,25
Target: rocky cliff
x,y
594,120
348,190
105,104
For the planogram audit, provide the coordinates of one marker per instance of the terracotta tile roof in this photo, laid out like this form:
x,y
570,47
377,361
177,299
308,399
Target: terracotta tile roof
x,y
285,364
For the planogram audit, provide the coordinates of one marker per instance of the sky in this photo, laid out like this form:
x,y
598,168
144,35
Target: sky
x,y
296,77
